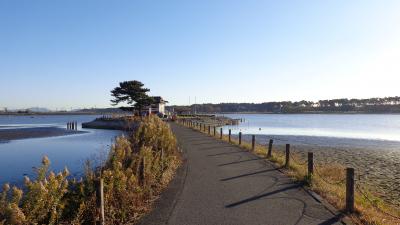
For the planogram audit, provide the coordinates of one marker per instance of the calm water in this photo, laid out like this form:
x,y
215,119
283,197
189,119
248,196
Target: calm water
x,y
19,156
372,127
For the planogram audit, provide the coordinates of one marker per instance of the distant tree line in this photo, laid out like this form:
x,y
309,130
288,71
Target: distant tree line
x,y
371,105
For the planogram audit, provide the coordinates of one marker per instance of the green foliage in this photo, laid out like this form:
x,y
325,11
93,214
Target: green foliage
x,y
133,93
372,105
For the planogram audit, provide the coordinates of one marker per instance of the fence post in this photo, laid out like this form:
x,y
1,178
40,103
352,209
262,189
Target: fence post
x,y
209,129
287,155
240,138
215,131
350,190
100,200
141,172
253,142
230,132
220,133
310,164
269,153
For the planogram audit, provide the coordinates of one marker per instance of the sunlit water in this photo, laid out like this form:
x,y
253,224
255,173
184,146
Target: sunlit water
x,y
18,157
359,126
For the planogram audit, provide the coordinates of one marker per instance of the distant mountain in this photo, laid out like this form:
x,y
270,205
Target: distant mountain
x,y
38,109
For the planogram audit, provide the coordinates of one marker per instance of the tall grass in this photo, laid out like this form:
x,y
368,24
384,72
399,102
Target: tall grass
x,y
138,167
327,181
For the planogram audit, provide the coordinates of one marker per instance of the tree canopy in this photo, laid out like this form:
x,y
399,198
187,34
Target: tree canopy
x,y
371,105
133,93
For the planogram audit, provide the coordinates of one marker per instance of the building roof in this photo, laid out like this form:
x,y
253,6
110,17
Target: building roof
x,y
159,99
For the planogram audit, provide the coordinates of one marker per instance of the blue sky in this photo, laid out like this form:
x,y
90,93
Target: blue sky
x,y
72,53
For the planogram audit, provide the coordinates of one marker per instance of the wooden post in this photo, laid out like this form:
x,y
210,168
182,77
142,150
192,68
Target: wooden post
x,y
253,142
310,164
240,138
287,155
76,125
100,200
141,172
220,133
269,153
162,159
350,190
209,130
230,132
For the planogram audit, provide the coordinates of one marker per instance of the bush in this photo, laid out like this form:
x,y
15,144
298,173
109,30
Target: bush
x,y
138,167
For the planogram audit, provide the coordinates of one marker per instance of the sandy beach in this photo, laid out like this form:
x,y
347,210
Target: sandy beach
x,y
377,162
7,135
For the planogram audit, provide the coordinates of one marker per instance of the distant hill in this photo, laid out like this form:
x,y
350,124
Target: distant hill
x,y
38,109
371,105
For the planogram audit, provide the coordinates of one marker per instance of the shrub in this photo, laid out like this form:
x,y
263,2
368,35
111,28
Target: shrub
x,y
138,167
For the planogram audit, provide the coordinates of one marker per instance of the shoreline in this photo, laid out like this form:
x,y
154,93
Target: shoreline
x,y
376,162
303,113
7,135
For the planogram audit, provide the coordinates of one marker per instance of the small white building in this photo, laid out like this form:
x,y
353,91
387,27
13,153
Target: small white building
x,y
158,107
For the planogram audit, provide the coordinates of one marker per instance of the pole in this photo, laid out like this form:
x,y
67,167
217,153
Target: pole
x,y
350,190
310,164
287,155
269,154
100,200
253,142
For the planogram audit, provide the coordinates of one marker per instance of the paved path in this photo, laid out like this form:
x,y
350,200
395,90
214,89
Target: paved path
x,y
223,184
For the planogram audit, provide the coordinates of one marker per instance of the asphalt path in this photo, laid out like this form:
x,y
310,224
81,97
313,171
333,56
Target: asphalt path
x,y
220,183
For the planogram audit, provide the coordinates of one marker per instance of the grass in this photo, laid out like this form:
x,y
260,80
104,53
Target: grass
x,y
328,181
138,168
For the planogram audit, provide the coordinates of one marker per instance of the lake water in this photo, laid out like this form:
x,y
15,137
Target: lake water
x,y
354,126
17,157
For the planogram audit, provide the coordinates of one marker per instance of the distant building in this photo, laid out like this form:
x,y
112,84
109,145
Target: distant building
x,y
158,107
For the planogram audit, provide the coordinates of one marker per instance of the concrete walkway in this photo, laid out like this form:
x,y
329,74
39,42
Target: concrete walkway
x,y
223,184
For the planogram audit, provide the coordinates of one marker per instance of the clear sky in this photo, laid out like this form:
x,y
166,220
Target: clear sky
x,y
71,53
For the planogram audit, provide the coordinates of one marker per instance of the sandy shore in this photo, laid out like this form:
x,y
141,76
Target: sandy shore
x,y
377,163
37,132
